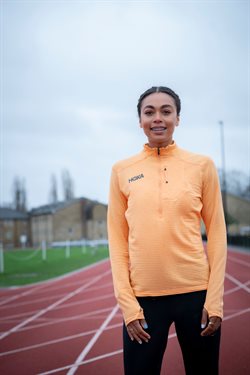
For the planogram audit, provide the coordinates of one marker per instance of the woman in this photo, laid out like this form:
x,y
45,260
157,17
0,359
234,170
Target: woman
x,y
161,273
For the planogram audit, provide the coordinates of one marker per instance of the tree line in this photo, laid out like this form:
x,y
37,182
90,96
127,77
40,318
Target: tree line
x,y
20,194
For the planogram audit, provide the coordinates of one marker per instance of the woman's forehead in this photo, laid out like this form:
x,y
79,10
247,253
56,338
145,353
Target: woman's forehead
x,y
158,99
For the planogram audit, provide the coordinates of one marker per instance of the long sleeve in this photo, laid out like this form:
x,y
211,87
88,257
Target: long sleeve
x,y
213,217
119,255
155,243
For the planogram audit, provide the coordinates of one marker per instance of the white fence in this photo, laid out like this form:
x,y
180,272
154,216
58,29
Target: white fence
x,y
83,242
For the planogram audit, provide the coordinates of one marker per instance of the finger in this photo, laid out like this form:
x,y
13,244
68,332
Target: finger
x,y
215,319
141,333
213,325
204,318
138,338
136,331
134,335
131,331
130,335
208,331
144,323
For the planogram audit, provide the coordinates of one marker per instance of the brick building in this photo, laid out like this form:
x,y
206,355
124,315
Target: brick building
x,y
14,228
72,220
239,215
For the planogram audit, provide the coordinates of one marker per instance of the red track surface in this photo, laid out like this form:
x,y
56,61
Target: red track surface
x,y
72,325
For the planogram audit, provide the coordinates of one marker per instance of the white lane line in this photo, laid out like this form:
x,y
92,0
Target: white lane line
x,y
227,311
240,261
34,288
21,315
103,356
15,316
106,355
89,315
58,307
32,301
91,343
62,339
89,300
69,283
72,273
237,282
50,307
82,363
230,291
241,312
23,294
52,287
66,305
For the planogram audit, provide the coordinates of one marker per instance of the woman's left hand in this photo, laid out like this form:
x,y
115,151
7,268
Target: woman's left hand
x,y
210,324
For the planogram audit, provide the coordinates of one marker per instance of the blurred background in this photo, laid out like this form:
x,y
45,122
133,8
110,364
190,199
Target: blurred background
x,y
71,76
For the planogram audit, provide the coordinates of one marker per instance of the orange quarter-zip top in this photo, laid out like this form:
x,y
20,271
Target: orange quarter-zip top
x,y
157,201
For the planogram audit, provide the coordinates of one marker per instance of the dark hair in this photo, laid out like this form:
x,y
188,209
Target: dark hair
x,y
166,90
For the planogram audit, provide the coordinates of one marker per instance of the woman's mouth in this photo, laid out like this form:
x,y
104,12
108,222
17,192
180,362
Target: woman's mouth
x,y
157,129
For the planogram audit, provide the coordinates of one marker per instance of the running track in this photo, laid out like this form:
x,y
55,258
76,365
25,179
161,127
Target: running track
x,y
71,325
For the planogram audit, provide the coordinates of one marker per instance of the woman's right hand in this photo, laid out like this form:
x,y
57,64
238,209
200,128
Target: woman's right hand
x,y
136,330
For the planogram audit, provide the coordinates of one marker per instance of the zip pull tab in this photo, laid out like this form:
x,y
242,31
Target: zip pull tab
x,y
159,151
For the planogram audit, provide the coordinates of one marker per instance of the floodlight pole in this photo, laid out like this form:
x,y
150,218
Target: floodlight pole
x,y
224,183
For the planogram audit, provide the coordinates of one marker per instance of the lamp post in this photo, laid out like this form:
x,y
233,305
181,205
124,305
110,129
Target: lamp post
x,y
224,183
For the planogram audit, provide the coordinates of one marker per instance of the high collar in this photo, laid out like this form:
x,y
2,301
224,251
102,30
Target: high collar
x,y
161,151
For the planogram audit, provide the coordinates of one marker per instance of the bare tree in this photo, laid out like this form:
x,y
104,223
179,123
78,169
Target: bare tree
x,y
237,183
68,185
53,196
24,197
19,194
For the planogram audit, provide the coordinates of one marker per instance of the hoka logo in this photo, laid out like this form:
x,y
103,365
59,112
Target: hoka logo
x,y
135,178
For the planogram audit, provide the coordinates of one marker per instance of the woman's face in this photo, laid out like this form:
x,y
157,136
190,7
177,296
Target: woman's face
x,y
159,119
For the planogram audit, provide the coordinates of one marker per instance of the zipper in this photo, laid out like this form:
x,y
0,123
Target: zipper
x,y
160,183
163,173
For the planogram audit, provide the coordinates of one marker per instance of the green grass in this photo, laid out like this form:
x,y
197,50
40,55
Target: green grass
x,y
23,267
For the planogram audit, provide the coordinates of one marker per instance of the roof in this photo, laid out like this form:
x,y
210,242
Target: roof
x,y
54,207
11,214
50,208
47,209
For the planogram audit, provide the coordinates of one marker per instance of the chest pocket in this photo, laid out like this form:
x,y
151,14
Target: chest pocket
x,y
179,184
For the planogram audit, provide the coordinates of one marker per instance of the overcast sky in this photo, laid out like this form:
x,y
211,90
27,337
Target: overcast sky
x,y
72,72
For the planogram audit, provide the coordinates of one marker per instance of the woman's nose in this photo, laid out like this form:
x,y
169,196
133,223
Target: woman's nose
x,y
157,118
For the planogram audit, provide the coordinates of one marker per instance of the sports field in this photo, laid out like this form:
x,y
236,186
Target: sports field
x,y
26,266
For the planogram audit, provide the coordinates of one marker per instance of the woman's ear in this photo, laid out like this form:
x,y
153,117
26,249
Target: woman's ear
x,y
140,124
178,121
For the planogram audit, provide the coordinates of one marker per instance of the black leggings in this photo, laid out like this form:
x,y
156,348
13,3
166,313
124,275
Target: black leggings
x,y
200,354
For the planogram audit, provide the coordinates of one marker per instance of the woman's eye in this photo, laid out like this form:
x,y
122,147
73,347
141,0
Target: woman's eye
x,y
166,112
148,113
